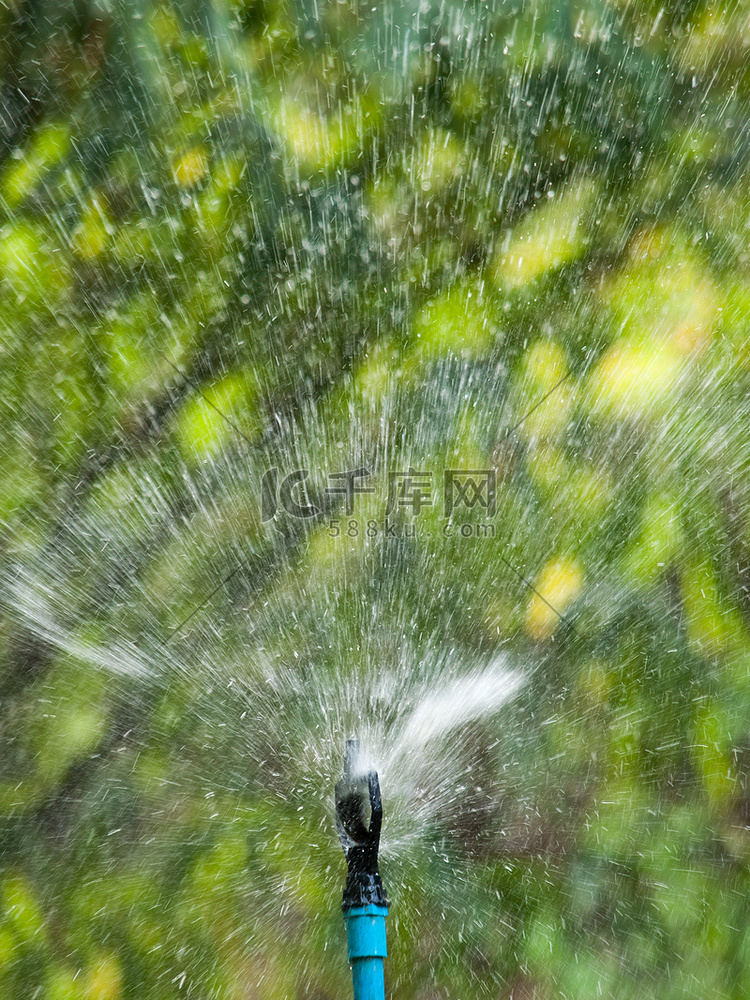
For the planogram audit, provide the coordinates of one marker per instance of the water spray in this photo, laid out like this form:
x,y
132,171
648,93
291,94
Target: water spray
x,y
359,815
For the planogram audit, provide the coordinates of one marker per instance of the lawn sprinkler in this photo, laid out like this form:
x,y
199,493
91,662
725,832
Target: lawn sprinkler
x,y
359,814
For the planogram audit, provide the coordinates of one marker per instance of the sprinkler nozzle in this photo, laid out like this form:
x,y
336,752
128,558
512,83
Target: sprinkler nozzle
x,y
359,815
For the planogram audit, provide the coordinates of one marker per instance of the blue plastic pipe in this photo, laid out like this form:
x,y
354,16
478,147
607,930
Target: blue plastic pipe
x,y
366,947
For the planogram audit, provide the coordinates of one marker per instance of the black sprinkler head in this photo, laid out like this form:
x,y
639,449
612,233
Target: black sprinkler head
x,y
359,815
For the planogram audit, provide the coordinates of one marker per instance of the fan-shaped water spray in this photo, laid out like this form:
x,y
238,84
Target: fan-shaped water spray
x,y
374,371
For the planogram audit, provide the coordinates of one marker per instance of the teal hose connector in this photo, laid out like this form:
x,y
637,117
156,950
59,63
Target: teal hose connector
x,y
359,815
366,945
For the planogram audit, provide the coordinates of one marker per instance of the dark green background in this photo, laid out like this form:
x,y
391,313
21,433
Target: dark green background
x,y
244,235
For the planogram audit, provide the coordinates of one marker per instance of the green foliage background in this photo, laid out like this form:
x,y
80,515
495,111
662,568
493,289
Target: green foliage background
x,y
254,233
